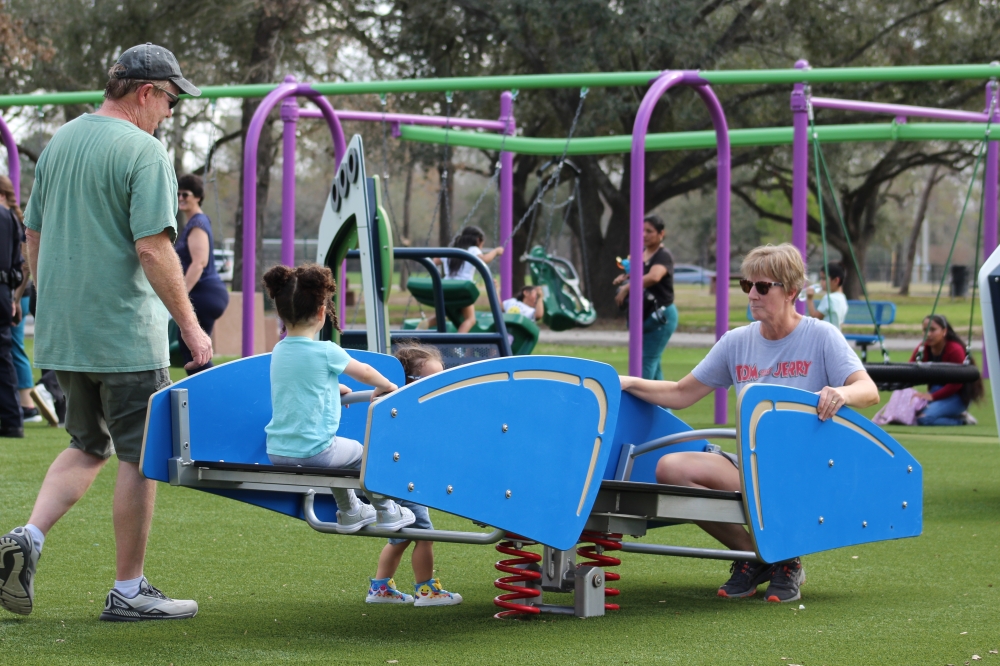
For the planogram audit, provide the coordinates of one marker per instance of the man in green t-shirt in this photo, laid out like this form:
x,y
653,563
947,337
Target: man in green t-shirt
x,y
100,230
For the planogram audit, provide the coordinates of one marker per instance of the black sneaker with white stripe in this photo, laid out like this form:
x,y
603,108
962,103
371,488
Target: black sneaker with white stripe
x,y
149,604
18,560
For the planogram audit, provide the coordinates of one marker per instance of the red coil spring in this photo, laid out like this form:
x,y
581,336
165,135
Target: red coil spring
x,y
595,553
514,566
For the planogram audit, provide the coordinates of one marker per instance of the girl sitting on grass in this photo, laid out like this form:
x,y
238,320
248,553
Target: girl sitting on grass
x,y
418,361
305,393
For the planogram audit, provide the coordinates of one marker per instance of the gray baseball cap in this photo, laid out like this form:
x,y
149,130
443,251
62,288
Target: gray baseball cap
x,y
154,63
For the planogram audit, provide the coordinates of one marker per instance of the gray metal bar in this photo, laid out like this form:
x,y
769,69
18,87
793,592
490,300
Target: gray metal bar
x,y
443,536
355,397
180,421
683,551
689,436
555,609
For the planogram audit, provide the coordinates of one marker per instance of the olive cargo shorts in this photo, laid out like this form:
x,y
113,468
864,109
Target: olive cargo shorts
x,y
106,411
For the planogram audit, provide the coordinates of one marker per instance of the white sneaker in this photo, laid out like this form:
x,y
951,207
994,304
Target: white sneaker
x,y
395,517
349,523
45,404
969,419
18,561
149,604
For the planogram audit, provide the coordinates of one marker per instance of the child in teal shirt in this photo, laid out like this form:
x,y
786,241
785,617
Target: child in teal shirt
x,y
305,394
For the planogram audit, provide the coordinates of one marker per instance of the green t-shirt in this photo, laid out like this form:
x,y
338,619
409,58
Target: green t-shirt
x,y
100,185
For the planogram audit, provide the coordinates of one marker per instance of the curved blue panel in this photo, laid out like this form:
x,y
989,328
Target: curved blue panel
x,y
230,405
811,485
536,426
640,422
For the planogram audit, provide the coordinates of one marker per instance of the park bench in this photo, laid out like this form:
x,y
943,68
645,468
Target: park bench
x,y
858,314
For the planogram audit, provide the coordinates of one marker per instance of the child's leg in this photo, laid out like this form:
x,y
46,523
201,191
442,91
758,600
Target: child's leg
x,y
468,319
423,561
389,559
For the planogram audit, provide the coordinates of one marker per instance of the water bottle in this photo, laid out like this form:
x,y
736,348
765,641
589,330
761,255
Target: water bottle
x,y
817,290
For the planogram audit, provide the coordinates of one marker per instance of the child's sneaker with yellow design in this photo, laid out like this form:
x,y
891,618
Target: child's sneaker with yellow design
x,y
430,593
383,591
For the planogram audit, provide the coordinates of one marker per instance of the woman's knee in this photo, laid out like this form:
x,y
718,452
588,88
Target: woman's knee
x,y
675,469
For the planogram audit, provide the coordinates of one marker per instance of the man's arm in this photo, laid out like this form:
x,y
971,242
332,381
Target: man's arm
x,y
163,270
539,303
33,241
675,395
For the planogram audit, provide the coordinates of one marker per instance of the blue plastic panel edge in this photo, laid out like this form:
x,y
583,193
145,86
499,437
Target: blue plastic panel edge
x,y
530,425
810,485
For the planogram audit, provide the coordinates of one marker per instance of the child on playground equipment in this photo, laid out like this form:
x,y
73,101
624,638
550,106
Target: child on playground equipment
x,y
305,393
529,302
418,361
471,238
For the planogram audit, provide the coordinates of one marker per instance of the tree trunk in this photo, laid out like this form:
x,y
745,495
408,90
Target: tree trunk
x,y
918,223
274,16
404,266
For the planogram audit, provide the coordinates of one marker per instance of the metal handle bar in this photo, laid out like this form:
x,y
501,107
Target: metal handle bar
x,y
689,436
355,397
475,538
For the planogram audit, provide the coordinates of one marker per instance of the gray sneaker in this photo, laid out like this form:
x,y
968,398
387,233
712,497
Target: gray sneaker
x,y
18,561
149,604
395,520
349,523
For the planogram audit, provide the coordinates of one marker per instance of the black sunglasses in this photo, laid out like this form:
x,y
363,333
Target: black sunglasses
x,y
762,287
172,97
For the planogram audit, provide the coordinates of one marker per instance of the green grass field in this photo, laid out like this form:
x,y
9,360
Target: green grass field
x,y
272,590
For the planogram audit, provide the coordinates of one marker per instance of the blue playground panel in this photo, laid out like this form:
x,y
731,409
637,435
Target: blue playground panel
x,y
638,423
811,485
229,407
519,443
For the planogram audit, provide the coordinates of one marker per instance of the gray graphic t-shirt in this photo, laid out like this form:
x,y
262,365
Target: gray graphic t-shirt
x,y
812,356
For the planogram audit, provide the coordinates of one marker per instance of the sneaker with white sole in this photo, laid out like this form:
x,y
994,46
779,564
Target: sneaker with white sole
x,y
45,403
351,522
18,561
383,591
395,517
31,415
969,419
149,604
430,593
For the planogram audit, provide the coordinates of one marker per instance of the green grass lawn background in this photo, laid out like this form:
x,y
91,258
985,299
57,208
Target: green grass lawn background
x,y
271,590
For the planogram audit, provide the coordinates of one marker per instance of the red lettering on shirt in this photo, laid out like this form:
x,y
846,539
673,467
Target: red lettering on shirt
x,y
783,370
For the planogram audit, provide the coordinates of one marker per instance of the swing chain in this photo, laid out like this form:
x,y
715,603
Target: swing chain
x,y
532,211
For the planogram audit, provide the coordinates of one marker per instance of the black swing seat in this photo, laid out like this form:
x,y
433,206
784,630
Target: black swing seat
x,y
894,376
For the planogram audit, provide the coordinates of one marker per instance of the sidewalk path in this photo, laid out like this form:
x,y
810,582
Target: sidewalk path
x,y
586,338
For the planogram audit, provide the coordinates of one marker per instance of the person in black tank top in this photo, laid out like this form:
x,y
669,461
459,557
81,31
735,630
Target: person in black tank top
x,y
659,314
206,290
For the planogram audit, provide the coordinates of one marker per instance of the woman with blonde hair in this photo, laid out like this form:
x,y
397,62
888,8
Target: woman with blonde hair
x,y
780,347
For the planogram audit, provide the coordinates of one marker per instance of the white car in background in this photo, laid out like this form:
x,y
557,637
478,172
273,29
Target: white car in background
x,y
224,264
691,274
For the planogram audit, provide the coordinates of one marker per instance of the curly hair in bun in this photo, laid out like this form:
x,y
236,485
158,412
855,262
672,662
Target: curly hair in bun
x,y
299,293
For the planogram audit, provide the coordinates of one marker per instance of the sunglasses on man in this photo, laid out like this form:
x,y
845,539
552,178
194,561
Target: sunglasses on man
x,y
170,96
762,287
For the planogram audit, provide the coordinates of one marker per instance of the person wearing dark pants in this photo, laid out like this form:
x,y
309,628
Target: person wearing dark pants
x,y
11,418
206,290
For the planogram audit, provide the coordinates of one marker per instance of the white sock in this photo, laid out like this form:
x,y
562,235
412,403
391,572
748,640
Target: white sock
x,y
36,537
128,588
